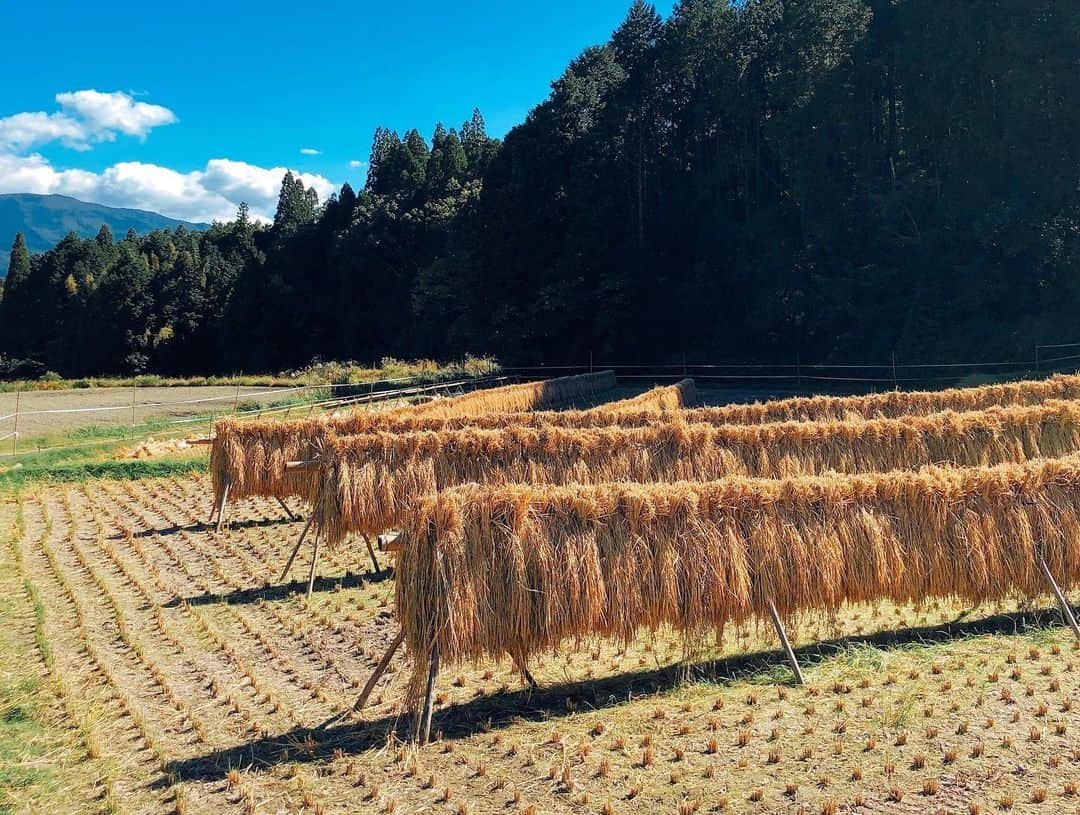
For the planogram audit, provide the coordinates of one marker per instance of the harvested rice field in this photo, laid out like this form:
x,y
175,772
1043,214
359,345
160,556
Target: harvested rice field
x,y
149,664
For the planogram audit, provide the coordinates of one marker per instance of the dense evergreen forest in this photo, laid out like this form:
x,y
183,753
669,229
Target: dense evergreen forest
x,y
742,181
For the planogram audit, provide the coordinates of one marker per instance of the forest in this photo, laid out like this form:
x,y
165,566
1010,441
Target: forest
x,y
838,179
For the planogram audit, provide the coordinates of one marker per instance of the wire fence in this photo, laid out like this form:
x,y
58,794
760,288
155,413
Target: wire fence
x,y
42,428
798,375
161,420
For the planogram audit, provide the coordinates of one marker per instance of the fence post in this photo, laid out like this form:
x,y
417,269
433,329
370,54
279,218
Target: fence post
x,y
236,399
894,384
1036,359
133,392
798,368
15,432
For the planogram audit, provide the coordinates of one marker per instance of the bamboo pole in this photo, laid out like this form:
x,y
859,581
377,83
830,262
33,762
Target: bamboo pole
x,y
221,507
371,551
285,507
423,724
296,549
784,641
15,432
523,669
1066,609
380,669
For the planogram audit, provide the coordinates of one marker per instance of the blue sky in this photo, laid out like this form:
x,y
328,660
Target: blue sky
x,y
199,105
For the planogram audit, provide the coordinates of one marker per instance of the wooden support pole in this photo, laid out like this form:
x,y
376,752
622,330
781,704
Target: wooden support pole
x,y
784,641
200,441
380,669
314,561
371,551
423,724
296,549
221,507
1066,609
523,669
285,507
306,464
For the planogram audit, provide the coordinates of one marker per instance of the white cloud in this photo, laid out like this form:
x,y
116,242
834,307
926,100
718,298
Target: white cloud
x,y
310,151
89,116
106,114
86,117
356,164
201,195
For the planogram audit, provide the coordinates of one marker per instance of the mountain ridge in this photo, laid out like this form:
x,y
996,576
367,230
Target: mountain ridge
x,y
46,219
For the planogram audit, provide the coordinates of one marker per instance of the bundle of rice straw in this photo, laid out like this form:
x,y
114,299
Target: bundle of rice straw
x,y
251,455
524,396
370,482
488,571
681,395
899,403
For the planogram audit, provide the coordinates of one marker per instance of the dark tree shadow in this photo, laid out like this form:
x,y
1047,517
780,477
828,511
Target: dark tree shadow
x,y
202,526
350,580
319,742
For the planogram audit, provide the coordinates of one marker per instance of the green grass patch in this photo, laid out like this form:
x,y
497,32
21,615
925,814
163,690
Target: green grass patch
x,y
24,738
318,373
58,472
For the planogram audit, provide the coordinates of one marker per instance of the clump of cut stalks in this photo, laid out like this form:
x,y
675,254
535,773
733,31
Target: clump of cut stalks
x,y
487,571
251,455
900,403
370,482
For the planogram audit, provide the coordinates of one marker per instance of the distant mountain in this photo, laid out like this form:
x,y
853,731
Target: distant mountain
x,y
45,219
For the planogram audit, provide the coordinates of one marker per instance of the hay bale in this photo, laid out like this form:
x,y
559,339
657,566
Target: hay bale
x,y
488,571
370,482
897,403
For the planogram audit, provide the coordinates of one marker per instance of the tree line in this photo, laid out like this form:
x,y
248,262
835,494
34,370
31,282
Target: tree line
x,y
840,179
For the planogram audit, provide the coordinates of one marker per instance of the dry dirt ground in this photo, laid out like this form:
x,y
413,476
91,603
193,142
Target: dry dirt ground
x,y
150,403
171,674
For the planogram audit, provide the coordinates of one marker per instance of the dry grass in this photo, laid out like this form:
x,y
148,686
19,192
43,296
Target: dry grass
x,y
371,481
518,570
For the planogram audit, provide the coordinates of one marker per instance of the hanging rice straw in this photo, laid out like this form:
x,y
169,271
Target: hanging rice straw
x,y
250,455
370,482
898,403
489,571
547,393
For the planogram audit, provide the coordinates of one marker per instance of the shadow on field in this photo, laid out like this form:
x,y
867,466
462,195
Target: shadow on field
x,y
350,580
202,526
319,743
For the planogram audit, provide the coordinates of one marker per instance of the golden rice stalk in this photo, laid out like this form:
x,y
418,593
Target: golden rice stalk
x,y
251,454
371,481
681,395
524,396
488,571
897,403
